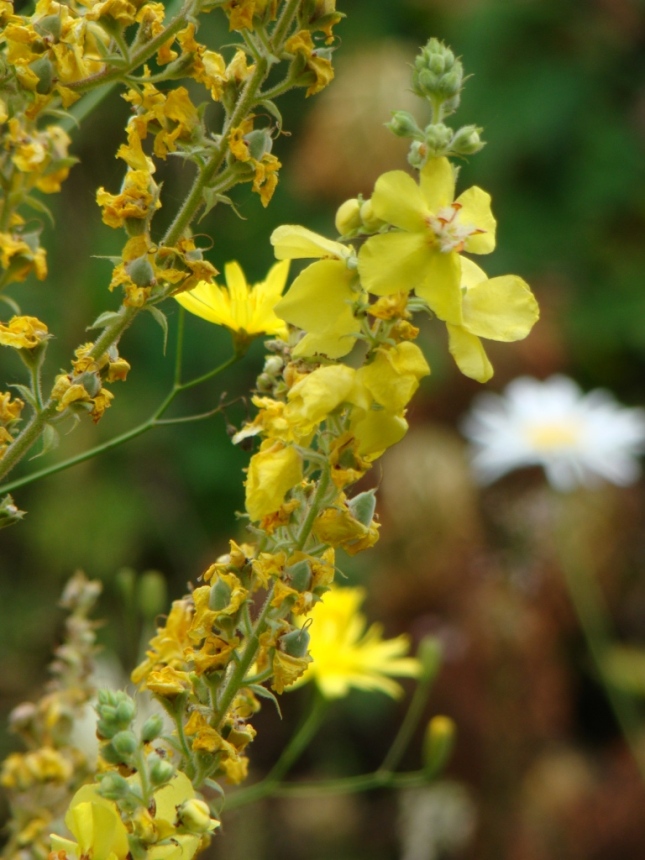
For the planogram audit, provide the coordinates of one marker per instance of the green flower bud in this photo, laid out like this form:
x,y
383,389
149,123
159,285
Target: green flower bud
x,y
195,816
113,786
259,142
220,596
44,70
348,217
438,138
115,711
438,744
91,382
437,74
160,770
151,593
125,711
152,728
50,25
467,141
295,643
363,506
403,124
299,575
141,271
125,744
9,513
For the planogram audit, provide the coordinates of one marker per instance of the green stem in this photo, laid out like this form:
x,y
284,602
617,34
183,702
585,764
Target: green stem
x,y
138,58
284,22
314,509
292,752
353,784
153,421
595,622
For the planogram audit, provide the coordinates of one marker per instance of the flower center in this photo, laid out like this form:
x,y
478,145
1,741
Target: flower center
x,y
451,235
550,437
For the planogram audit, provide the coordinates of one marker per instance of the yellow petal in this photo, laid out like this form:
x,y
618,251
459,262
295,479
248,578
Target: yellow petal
x,y
292,242
441,286
99,830
437,180
468,352
398,200
501,308
394,262
376,431
319,393
319,301
273,471
393,377
208,302
476,210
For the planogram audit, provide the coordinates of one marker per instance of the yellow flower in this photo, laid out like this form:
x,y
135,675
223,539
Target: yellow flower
x,y
23,332
502,308
322,72
96,824
239,307
321,297
346,655
272,472
423,252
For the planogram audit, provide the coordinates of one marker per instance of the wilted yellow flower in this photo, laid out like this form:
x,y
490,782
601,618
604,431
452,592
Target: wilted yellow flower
x,y
272,472
345,655
243,309
23,332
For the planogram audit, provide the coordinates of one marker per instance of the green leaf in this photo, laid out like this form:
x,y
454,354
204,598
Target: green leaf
x,y
27,395
39,206
162,320
103,320
263,693
51,438
271,108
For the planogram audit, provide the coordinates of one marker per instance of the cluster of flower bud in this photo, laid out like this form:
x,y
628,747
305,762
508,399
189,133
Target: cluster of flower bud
x,y
436,139
438,76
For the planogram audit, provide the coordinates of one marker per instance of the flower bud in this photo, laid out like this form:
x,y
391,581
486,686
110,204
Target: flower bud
x,y
259,142
467,141
125,744
437,74
299,575
370,222
220,596
295,643
438,138
348,217
115,710
50,26
44,71
113,786
403,124
152,728
438,743
363,506
151,593
91,382
195,816
141,271
160,770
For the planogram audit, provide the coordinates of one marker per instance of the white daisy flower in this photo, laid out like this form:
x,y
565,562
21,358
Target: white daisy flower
x,y
578,438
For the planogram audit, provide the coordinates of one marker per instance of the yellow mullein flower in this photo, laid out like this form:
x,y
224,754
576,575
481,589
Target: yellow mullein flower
x,y
302,45
245,310
95,822
321,297
345,655
432,230
23,332
272,472
502,308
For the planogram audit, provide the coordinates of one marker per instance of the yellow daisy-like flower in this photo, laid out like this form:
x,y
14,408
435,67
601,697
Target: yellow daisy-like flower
x,y
321,297
242,309
502,308
345,655
423,253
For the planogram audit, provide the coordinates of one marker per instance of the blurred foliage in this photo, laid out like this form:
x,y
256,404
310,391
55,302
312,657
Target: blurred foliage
x,y
558,87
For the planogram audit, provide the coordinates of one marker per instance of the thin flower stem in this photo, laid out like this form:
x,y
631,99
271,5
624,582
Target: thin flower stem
x,y
154,420
353,784
595,622
294,749
314,510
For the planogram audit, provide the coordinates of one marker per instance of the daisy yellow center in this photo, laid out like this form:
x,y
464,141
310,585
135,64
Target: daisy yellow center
x,y
450,233
557,434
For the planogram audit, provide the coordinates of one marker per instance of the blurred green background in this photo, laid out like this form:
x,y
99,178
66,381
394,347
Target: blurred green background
x,y
540,771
